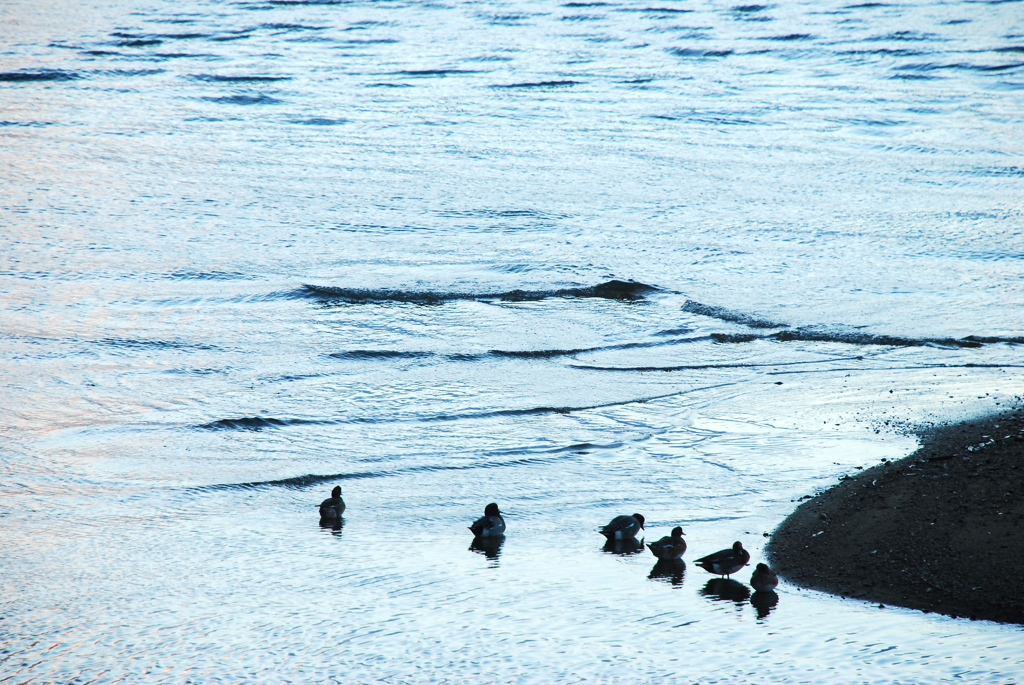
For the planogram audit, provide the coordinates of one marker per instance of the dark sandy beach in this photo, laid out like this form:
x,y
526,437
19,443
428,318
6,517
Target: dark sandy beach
x,y
941,530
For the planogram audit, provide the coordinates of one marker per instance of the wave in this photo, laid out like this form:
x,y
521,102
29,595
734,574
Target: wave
x,y
963,66
139,42
287,3
255,423
283,26
216,78
970,341
538,84
691,52
302,482
44,75
724,365
260,422
243,100
433,72
207,275
132,344
851,338
724,314
611,290
515,354
381,354
318,121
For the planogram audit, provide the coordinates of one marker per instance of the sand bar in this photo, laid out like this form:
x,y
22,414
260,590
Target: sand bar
x,y
941,530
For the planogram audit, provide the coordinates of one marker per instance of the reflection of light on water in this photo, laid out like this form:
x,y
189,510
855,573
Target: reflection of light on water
x,y
160,214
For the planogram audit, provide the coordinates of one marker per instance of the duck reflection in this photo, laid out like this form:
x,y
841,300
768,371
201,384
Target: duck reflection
x,y
764,601
726,589
335,526
670,571
624,547
489,546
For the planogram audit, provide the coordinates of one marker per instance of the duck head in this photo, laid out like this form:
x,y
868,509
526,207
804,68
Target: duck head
x,y
639,518
491,510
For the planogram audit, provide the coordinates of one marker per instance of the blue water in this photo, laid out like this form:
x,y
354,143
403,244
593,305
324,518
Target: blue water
x,y
689,259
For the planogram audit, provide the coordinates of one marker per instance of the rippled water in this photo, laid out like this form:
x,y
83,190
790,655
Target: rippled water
x,y
690,259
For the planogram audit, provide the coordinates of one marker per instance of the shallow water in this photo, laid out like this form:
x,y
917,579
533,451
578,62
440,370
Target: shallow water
x,y
687,259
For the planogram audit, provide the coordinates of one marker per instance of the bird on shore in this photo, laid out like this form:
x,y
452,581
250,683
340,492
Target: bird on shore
x,y
725,562
622,527
764,579
332,508
491,524
670,547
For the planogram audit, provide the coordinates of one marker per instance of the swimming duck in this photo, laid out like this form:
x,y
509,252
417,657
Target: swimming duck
x,y
725,562
764,579
669,548
491,524
622,527
332,508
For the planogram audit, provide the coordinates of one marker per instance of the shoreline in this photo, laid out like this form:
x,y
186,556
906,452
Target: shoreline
x,y
941,530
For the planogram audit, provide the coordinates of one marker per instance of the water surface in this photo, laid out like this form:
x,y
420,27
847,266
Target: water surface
x,y
689,259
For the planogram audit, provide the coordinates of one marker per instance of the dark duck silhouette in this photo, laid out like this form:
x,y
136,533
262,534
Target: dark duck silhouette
x,y
623,527
332,508
491,524
725,562
670,547
764,579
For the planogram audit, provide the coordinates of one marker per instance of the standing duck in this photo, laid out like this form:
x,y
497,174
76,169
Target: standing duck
x,y
491,524
725,562
332,508
670,547
622,527
764,579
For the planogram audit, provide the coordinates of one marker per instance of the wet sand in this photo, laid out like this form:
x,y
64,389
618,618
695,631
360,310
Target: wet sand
x,y
941,530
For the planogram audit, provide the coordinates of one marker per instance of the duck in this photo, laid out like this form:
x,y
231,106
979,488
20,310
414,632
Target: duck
x,y
491,524
622,527
670,547
332,508
764,579
725,562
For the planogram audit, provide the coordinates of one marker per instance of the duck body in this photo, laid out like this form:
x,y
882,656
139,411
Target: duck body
x,y
725,562
332,508
622,527
764,579
670,547
491,524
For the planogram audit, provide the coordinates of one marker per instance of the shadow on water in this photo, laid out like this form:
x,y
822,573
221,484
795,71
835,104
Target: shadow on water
x,y
764,601
490,547
669,571
726,589
624,547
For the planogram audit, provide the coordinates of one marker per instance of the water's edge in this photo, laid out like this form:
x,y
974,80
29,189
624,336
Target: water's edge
x,y
937,531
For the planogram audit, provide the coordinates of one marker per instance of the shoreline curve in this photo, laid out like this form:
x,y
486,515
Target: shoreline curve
x,y
941,530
